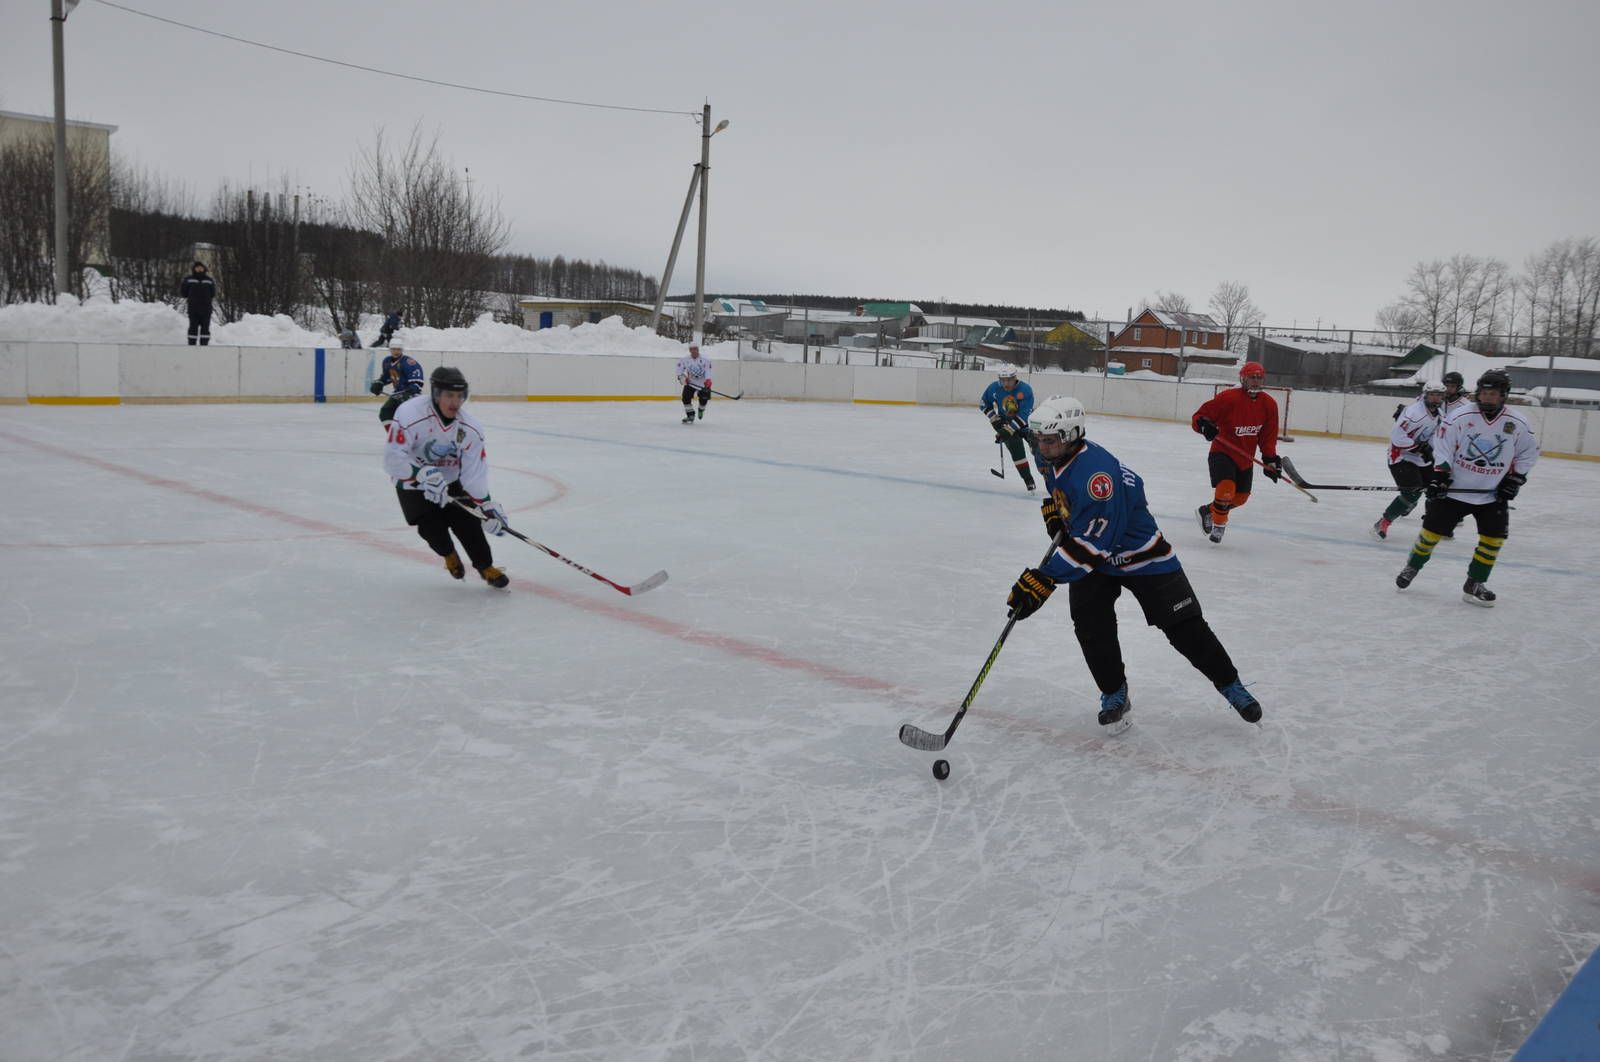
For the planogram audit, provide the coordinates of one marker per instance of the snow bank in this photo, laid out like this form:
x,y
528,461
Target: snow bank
x,y
102,321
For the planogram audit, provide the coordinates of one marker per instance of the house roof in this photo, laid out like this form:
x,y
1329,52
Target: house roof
x,y
48,120
889,309
1184,319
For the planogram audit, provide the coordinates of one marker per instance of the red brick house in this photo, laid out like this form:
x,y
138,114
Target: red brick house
x,y
1156,340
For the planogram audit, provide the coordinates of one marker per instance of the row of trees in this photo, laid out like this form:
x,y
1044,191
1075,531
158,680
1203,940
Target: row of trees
x,y
1550,307
410,236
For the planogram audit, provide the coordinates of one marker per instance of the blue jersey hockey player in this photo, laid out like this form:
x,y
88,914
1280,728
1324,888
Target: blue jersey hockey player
x,y
1108,542
1008,402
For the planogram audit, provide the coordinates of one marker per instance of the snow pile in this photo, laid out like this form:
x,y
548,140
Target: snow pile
x,y
102,321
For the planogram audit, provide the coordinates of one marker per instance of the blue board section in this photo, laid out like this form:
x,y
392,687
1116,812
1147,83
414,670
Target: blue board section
x,y
319,389
1571,1031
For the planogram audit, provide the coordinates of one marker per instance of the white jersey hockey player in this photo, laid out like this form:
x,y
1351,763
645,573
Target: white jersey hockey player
x,y
694,373
1482,454
436,454
1411,453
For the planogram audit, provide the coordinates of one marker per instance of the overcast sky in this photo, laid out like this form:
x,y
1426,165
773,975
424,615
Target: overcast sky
x,y
1018,152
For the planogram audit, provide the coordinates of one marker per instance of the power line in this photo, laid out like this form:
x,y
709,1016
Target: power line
x,y
391,73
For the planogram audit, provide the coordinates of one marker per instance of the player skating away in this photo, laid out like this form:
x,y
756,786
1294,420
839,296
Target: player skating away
x,y
694,373
435,454
1109,541
1008,402
403,374
1411,453
1482,454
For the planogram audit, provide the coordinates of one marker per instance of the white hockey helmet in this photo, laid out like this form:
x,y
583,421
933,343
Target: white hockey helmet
x,y
1432,386
1058,416
1007,372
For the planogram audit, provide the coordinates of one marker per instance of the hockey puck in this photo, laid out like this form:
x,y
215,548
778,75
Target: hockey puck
x,y
941,769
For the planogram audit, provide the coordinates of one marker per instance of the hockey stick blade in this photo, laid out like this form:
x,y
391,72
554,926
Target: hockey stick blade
x,y
920,739
643,586
926,741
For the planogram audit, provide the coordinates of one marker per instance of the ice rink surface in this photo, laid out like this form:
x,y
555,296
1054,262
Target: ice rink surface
x,y
273,786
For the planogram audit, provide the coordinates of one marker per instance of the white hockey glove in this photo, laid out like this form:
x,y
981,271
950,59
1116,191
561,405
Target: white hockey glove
x,y
430,480
495,517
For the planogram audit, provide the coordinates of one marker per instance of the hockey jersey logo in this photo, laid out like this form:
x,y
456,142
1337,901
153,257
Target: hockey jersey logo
x,y
1484,450
438,451
1100,486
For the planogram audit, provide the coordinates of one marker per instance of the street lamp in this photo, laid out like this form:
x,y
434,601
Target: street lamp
x,y
59,10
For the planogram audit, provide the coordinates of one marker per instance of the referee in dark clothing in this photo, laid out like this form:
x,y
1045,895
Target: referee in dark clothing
x,y
198,289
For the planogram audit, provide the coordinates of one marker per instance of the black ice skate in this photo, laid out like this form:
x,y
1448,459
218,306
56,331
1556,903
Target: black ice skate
x,y
1114,709
1475,593
1239,698
1407,574
1204,512
688,415
702,414
1217,531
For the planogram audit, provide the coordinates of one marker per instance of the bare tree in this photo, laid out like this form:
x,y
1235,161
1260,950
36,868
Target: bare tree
x,y
153,227
438,239
1170,301
27,218
1403,321
1233,309
259,269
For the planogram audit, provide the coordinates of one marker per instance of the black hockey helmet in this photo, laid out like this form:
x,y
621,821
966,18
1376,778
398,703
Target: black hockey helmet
x,y
1494,380
446,378
1454,380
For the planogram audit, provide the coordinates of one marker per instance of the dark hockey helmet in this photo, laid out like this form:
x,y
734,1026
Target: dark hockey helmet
x,y
1494,380
446,378
1454,382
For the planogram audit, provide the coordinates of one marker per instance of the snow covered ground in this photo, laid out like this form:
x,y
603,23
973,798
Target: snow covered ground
x,y
100,320
273,786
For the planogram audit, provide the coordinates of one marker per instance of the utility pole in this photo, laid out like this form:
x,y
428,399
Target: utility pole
x,y
700,251
59,10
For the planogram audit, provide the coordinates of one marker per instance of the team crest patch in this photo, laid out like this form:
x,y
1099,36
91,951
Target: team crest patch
x,y
1509,428
1100,486
461,435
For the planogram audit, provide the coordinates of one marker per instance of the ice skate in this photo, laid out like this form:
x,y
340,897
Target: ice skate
x,y
494,577
1204,512
701,415
1248,707
688,415
1114,709
1217,531
453,565
1407,574
1475,593
1380,530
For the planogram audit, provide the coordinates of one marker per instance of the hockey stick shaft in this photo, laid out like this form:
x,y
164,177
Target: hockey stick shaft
x,y
732,398
1294,475
637,588
928,741
1001,471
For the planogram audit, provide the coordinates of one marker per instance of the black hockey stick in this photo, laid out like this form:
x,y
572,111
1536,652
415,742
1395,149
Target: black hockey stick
x,y
1001,471
1300,481
929,741
637,588
731,398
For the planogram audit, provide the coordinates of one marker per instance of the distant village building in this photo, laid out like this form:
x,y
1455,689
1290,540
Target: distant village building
x,y
1168,341
87,141
1322,364
541,312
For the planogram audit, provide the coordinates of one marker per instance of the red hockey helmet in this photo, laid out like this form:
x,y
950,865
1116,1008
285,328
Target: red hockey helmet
x,y
1252,368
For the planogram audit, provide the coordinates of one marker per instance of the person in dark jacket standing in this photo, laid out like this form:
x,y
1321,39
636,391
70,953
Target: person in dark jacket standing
x,y
198,289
